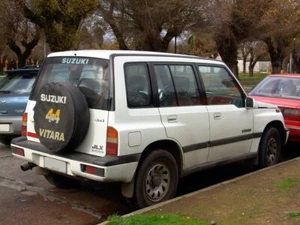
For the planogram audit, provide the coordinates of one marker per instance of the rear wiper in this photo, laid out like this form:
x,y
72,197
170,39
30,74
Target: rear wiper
x,y
5,91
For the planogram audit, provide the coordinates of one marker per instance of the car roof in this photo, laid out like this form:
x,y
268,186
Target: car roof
x,y
290,75
106,54
23,71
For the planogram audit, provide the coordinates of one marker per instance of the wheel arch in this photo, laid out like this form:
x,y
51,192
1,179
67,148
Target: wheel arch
x,y
169,145
280,127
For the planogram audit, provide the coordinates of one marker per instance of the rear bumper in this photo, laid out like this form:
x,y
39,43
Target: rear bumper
x,y
109,168
15,124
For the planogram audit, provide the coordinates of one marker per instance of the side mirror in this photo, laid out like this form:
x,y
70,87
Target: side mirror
x,y
249,102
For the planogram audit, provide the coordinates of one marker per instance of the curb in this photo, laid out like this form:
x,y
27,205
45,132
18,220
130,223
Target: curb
x,y
144,210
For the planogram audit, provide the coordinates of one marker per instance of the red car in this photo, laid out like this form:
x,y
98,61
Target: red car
x,y
282,90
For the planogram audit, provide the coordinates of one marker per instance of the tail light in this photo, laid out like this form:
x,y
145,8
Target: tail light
x,y
291,114
112,141
24,124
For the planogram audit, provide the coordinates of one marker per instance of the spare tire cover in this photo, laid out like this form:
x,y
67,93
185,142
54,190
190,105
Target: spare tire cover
x,y
61,116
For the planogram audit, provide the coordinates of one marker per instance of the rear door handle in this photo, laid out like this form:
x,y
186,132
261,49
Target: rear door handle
x,y
217,116
172,119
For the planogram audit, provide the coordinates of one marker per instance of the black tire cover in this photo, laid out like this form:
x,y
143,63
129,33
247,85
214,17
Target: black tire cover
x,y
61,116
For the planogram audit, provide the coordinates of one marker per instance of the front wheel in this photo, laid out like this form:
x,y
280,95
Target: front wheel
x,y
156,180
269,148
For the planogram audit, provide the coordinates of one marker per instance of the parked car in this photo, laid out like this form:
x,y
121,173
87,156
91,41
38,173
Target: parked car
x,y
14,93
282,90
144,119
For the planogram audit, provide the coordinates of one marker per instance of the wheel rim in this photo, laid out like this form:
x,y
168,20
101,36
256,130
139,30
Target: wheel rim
x,y
272,151
158,182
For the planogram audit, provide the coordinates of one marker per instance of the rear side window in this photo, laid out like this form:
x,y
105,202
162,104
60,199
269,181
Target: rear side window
x,y
90,75
176,85
137,85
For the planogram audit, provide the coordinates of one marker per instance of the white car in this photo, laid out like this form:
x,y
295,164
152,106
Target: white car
x,y
144,119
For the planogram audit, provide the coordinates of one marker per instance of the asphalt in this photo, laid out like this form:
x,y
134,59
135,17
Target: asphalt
x,y
251,199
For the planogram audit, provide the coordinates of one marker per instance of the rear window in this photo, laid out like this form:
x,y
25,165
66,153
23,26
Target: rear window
x,y
18,83
279,87
91,75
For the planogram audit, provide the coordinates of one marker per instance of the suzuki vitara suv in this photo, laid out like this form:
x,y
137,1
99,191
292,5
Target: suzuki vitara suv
x,y
144,119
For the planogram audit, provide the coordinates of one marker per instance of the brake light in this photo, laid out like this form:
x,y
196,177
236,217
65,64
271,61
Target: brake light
x,y
112,141
20,151
90,169
291,114
24,124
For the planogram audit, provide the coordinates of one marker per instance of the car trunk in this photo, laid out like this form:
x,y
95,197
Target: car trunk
x,y
12,104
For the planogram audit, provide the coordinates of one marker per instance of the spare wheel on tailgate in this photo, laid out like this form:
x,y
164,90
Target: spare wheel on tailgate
x,y
61,116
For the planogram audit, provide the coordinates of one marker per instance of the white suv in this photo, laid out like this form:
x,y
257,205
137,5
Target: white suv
x,y
144,119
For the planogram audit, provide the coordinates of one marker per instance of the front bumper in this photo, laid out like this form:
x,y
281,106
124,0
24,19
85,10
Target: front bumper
x,y
109,168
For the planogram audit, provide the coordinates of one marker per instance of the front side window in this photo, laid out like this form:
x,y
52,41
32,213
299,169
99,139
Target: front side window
x,y
90,75
220,87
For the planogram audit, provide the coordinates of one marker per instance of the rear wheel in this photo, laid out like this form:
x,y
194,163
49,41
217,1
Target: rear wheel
x,y
61,181
156,179
270,148
5,140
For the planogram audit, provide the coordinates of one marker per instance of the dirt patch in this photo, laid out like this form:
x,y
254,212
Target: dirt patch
x,y
270,196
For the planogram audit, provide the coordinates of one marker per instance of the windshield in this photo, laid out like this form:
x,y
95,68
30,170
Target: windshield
x,y
91,76
285,87
20,84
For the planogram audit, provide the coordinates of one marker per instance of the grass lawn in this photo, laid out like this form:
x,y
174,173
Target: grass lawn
x,y
167,219
246,80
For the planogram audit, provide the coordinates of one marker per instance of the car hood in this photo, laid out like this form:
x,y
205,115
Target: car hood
x,y
280,102
12,104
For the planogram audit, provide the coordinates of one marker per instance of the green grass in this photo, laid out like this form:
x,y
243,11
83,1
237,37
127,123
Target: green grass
x,y
246,80
294,215
166,219
256,76
288,183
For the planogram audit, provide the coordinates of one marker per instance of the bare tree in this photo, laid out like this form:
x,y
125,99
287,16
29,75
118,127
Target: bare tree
x,y
20,35
60,20
231,23
150,25
278,28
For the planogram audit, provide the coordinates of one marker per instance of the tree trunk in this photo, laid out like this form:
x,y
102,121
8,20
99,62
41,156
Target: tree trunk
x,y
276,56
227,49
296,61
244,63
22,57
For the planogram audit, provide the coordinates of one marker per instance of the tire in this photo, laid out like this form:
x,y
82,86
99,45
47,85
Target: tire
x,y
62,182
269,148
5,140
61,116
156,179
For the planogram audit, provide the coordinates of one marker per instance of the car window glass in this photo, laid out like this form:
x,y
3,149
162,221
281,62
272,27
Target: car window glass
x,y
137,85
19,84
166,90
286,87
90,75
220,87
176,85
185,85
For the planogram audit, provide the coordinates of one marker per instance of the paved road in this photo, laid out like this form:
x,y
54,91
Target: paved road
x,y
26,198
